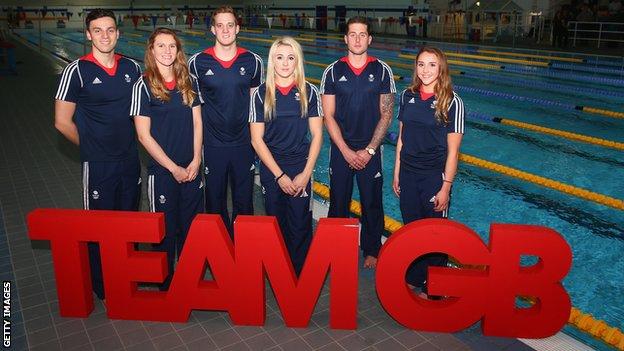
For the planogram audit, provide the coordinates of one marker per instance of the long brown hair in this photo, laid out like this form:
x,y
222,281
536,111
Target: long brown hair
x,y
443,89
154,79
299,77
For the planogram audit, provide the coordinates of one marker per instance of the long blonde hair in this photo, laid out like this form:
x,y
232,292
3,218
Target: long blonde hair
x,y
300,82
443,89
155,80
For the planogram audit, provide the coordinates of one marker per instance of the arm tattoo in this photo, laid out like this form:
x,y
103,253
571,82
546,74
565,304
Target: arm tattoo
x,y
386,109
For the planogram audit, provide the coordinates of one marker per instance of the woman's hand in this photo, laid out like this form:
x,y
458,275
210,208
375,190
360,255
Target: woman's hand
x,y
287,185
441,200
395,184
193,170
301,182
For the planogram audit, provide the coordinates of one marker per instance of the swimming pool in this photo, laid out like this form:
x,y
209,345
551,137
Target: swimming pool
x,y
595,232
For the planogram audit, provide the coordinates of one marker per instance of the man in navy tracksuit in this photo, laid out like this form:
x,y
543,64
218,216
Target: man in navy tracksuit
x,y
358,99
226,75
91,110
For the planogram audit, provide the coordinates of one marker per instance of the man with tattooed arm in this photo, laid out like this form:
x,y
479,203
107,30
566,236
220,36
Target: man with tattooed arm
x,y
358,99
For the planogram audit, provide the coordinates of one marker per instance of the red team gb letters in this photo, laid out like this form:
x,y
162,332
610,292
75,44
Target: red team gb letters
x,y
487,292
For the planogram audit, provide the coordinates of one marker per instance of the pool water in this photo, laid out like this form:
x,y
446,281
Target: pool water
x,y
481,197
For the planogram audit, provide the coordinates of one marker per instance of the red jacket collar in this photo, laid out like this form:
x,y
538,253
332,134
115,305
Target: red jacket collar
x,y
285,90
226,64
110,71
170,85
358,71
425,96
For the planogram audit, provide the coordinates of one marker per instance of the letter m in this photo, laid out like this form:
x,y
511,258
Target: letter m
x,y
260,250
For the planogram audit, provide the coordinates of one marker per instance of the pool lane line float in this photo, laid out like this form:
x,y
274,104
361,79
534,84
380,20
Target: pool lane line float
x,y
390,224
461,63
545,182
582,321
566,75
545,57
488,58
411,67
193,32
298,39
560,133
137,35
543,85
135,43
597,328
599,111
587,109
336,37
259,31
573,67
262,40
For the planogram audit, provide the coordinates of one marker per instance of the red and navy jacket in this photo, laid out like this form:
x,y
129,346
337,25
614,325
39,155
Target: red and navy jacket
x,y
287,133
425,145
357,94
171,122
225,90
102,97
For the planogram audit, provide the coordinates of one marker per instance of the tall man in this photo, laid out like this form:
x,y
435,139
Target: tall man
x,y
358,99
227,74
92,110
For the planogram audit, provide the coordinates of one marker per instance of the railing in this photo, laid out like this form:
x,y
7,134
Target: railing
x,y
599,32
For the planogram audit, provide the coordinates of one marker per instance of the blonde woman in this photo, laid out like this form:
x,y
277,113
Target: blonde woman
x,y
431,126
286,132
167,117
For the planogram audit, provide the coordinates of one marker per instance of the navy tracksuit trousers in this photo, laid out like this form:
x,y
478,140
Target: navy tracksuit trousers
x,y
109,186
293,213
180,202
369,182
233,165
416,202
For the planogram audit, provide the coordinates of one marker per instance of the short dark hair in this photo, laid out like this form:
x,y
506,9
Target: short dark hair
x,y
357,19
220,10
99,13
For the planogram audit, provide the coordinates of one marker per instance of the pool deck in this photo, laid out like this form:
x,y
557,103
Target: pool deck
x,y
40,169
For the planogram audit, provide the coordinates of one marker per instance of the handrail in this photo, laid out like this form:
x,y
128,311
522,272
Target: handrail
x,y
596,31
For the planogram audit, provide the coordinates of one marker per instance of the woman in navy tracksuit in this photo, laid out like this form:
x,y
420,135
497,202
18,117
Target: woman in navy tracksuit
x,y
431,126
283,111
167,116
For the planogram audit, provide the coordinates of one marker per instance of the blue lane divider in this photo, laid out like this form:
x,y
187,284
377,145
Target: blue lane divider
x,y
585,68
613,63
518,68
566,75
481,116
515,97
475,50
544,85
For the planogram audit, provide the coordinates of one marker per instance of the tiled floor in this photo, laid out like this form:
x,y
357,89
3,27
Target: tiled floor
x,y
38,168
